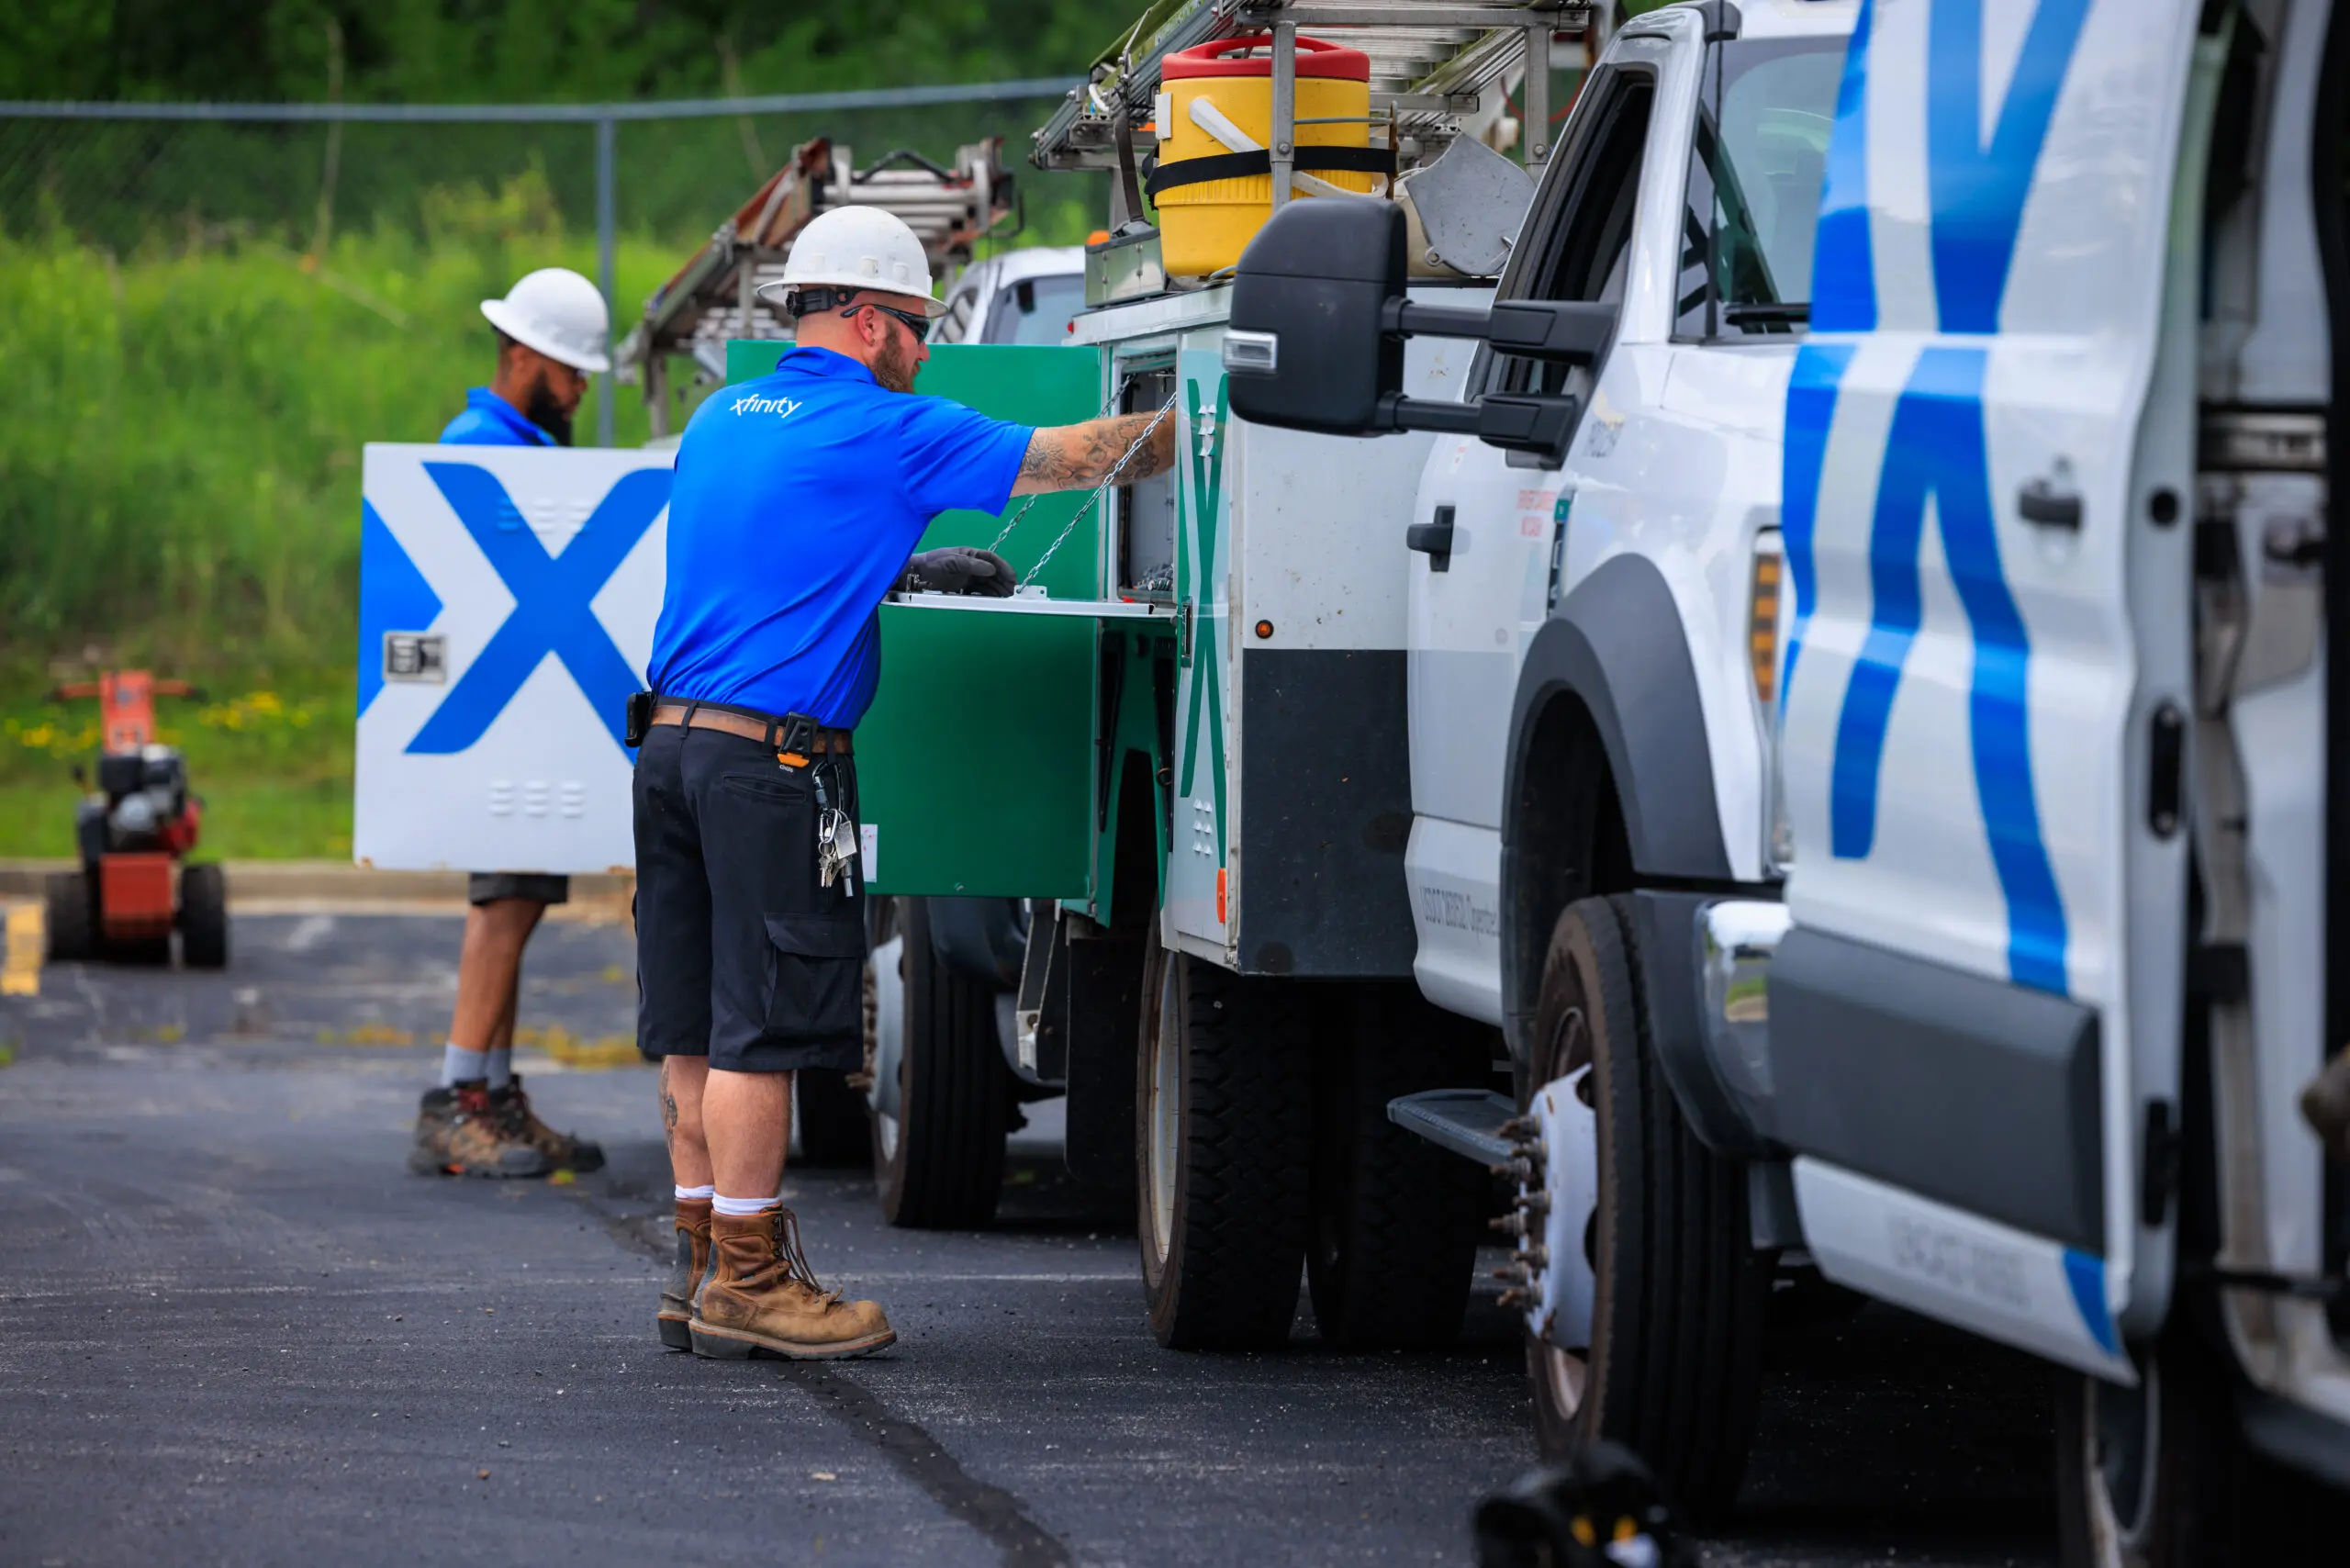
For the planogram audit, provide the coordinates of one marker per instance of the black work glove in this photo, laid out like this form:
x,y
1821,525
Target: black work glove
x,y
960,570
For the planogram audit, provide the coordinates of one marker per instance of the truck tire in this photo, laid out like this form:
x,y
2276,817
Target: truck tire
x,y
69,916
204,917
2160,1476
834,1131
1673,1366
938,1160
1396,1219
1223,1144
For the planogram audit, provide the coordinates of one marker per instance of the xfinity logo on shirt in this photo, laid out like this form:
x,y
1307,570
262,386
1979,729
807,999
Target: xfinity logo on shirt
x,y
751,403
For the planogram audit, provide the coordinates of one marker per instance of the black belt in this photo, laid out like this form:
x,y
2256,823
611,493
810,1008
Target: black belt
x,y
1242,165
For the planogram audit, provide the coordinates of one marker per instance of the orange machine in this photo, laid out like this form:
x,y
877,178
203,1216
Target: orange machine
x,y
133,832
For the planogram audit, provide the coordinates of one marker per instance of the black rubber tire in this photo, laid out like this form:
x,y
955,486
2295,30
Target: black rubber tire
x,y
2183,1491
833,1130
953,1096
1674,1368
1220,1270
71,922
204,917
1396,1219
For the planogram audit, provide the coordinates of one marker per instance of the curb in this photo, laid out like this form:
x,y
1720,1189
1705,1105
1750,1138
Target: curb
x,y
260,887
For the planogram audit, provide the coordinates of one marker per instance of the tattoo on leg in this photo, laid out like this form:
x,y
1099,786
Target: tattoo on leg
x,y
669,1113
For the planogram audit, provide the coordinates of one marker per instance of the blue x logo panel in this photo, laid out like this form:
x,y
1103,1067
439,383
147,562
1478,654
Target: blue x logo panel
x,y
552,595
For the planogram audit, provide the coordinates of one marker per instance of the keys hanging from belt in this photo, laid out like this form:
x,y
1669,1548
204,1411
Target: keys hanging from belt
x,y
836,846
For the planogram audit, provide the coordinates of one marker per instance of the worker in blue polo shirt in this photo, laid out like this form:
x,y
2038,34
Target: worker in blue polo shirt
x,y
798,500
551,329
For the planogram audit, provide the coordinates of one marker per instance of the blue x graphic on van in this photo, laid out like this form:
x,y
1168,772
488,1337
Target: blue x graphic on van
x,y
550,613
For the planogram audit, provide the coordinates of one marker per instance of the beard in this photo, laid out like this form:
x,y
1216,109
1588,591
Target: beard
x,y
549,416
893,366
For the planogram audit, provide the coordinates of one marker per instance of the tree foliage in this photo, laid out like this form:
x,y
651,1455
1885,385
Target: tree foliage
x,y
527,50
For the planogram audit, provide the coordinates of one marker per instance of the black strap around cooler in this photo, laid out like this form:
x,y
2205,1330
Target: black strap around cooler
x,y
1242,165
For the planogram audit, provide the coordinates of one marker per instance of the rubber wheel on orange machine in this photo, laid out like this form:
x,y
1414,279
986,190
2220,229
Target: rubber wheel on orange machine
x,y
204,917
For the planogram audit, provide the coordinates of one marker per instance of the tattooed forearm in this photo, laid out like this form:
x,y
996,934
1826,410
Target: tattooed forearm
x,y
1077,457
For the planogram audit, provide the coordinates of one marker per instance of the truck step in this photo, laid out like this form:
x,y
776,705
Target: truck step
x,y
1466,1120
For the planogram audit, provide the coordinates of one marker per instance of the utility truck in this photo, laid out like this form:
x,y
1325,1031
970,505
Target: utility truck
x,y
2042,731
1351,726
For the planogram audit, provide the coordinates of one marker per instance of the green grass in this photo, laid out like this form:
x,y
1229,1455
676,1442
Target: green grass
x,y
274,771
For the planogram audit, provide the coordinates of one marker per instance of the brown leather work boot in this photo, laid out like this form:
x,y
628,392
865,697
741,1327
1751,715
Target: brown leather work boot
x,y
2325,1105
564,1151
675,1316
458,1133
762,1298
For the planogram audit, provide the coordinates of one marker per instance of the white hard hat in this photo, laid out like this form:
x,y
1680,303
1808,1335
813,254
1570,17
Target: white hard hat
x,y
557,312
858,247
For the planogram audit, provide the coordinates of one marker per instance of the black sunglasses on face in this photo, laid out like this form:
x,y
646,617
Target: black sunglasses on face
x,y
918,325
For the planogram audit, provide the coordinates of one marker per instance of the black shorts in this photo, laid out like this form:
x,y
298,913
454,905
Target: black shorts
x,y
539,886
740,955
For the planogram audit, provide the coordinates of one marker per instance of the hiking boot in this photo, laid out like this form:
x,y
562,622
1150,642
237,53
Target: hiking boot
x,y
564,1151
762,1298
459,1134
2325,1105
677,1312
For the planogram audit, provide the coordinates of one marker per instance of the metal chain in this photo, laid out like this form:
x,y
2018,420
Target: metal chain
x,y
1101,490
1107,404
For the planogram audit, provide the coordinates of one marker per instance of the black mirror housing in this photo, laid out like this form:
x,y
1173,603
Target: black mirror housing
x,y
1308,347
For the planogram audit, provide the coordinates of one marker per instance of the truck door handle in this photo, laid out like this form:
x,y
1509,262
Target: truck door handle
x,y
2052,502
1433,539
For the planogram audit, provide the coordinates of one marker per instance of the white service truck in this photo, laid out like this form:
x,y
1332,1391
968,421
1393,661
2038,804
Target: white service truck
x,y
2035,747
1417,761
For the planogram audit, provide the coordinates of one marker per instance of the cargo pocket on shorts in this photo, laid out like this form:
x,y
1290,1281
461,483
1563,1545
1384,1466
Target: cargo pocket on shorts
x,y
815,977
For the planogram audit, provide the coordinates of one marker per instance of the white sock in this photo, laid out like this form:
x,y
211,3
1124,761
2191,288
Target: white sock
x,y
706,1193
459,1065
498,1067
737,1208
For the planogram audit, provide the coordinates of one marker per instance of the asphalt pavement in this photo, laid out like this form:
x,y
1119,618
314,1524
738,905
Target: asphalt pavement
x,y
234,1329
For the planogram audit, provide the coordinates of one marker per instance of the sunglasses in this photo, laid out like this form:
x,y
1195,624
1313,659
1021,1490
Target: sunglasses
x,y
918,325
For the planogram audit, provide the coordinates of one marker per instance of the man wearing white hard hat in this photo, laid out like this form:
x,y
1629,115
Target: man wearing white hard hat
x,y
551,329
798,501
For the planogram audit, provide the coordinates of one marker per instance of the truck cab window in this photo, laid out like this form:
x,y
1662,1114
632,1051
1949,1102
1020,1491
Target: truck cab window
x,y
1036,309
1755,167
1583,244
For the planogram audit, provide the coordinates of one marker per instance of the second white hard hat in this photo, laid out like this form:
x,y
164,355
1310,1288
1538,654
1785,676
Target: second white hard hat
x,y
858,247
559,313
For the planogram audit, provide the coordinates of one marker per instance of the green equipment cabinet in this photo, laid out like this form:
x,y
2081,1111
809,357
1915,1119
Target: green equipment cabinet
x,y
975,762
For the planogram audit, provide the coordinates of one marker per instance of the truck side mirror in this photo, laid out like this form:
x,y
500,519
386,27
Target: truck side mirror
x,y
1306,347
1319,316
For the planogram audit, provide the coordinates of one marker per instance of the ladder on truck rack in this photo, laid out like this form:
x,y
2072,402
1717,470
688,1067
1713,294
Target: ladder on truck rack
x,y
713,297
1432,65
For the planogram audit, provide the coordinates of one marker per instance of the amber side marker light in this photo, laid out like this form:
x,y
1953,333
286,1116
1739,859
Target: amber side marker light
x,y
1762,622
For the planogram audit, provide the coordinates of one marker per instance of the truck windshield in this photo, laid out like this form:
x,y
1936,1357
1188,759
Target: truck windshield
x,y
1753,192
1036,309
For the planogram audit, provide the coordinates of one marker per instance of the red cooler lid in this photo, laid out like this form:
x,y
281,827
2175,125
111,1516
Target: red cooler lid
x,y
1314,58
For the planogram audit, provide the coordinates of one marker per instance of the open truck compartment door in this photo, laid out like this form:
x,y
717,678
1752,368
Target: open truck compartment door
x,y
975,764
1978,1010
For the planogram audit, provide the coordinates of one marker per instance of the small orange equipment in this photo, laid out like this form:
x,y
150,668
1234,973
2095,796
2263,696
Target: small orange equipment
x,y
134,831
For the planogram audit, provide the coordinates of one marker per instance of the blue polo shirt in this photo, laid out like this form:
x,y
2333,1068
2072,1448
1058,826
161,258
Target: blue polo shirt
x,y
490,420
797,499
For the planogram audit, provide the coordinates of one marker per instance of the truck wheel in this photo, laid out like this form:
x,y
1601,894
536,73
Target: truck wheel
x,y
834,1132
69,916
204,917
1671,1365
1396,1219
1223,1139
941,1091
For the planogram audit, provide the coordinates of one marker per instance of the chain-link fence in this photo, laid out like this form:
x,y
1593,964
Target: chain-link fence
x,y
206,311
